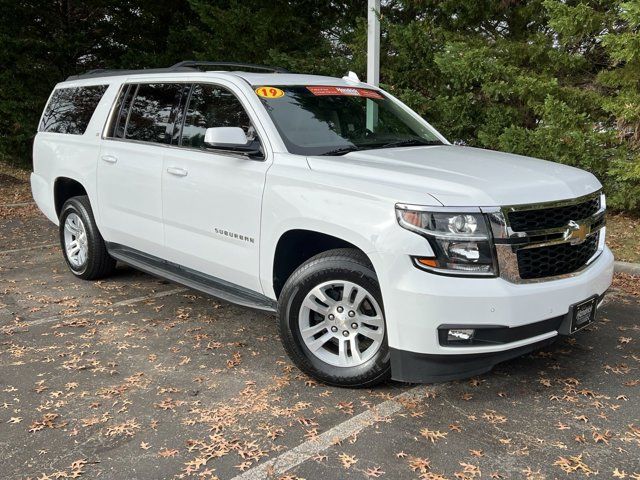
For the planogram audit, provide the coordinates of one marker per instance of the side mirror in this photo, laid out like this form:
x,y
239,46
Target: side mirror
x,y
225,137
233,139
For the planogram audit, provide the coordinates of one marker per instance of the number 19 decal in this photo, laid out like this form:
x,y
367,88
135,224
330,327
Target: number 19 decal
x,y
269,92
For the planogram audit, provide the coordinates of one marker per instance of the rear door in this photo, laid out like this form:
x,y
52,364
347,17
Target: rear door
x,y
130,165
212,198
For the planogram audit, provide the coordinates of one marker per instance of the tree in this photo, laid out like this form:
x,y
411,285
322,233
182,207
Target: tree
x,y
303,36
555,79
44,41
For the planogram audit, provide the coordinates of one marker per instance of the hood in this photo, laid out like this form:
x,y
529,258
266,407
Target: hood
x,y
463,176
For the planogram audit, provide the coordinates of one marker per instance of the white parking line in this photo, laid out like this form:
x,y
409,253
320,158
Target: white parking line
x,y
25,249
303,452
123,303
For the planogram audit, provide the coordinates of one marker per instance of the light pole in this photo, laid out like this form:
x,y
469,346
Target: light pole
x,y
373,59
373,42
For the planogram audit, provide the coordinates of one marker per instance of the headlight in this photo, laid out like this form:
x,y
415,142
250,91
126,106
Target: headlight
x,y
461,240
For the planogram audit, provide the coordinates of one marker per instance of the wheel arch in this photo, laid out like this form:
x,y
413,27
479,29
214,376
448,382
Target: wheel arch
x,y
65,188
296,246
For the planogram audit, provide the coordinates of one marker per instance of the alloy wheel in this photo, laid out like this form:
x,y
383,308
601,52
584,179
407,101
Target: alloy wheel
x,y
341,323
75,240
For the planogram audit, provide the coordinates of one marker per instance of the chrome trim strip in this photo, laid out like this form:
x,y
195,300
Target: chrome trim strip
x,y
552,204
210,151
451,272
426,208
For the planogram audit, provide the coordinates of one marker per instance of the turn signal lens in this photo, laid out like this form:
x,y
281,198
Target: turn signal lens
x,y
428,262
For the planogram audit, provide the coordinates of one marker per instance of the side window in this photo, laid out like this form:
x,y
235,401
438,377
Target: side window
x,y
70,109
152,111
212,106
121,112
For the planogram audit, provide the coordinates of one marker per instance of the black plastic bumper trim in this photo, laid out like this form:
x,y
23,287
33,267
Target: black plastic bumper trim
x,y
499,334
425,368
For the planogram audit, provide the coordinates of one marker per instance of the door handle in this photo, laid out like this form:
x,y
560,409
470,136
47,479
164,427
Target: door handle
x,y
177,171
109,158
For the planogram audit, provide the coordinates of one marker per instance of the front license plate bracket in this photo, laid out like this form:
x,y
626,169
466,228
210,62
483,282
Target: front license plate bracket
x,y
579,316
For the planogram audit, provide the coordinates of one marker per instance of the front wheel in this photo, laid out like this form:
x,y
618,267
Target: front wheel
x,y
331,320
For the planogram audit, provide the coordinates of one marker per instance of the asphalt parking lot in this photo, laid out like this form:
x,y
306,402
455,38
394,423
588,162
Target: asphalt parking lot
x,y
137,378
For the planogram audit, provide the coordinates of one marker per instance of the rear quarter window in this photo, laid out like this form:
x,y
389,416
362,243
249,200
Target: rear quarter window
x,y
70,109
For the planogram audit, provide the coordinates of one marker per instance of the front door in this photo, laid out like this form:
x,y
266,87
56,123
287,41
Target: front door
x,y
212,199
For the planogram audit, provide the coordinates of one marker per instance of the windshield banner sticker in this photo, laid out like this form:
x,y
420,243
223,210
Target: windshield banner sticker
x,y
269,92
345,91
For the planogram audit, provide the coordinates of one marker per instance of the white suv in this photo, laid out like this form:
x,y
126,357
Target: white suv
x,y
386,251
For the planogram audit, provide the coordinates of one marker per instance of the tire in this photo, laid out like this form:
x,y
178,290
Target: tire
x,y
327,277
77,225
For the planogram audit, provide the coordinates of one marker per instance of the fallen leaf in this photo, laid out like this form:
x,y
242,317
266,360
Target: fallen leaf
x,y
347,460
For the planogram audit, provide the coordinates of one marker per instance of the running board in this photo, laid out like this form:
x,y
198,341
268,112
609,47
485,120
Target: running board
x,y
204,283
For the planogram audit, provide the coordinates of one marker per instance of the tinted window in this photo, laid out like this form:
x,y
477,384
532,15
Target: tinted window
x,y
152,111
121,112
70,109
322,120
212,106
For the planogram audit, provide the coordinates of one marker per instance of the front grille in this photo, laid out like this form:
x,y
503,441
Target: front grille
x,y
554,217
555,260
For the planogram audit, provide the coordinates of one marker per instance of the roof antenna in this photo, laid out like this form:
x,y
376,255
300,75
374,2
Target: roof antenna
x,y
351,77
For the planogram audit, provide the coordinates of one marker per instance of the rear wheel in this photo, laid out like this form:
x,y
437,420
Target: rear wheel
x,y
84,249
332,322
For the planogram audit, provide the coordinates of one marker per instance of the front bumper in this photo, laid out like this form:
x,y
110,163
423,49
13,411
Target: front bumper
x,y
417,303
423,368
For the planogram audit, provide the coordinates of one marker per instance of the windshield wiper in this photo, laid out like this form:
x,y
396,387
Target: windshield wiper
x,y
413,142
341,151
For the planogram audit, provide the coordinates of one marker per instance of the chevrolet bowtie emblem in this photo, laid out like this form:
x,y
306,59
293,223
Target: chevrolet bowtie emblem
x,y
577,232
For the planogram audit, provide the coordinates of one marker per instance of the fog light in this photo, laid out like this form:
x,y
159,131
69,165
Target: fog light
x,y
460,335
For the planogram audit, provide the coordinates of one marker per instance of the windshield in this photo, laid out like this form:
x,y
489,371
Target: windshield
x,y
324,120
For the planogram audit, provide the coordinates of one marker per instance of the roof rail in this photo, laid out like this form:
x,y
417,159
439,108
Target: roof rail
x,y
184,66
99,72
241,66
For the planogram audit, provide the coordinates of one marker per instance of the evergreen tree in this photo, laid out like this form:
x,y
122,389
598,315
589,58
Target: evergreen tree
x,y
555,79
44,41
